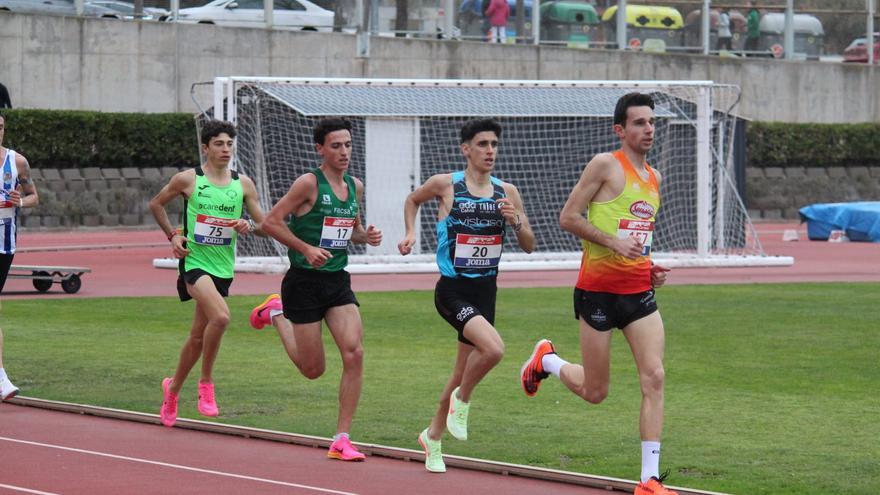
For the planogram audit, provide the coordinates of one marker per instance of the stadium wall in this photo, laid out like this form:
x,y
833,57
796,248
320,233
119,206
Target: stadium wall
x,y
109,65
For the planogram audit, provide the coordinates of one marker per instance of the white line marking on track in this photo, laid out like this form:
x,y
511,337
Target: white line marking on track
x,y
176,466
26,490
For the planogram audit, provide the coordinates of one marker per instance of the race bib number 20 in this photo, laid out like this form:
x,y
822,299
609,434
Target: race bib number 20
x,y
477,251
642,230
214,231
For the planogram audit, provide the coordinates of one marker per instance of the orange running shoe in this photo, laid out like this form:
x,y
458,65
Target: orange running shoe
x,y
654,486
532,371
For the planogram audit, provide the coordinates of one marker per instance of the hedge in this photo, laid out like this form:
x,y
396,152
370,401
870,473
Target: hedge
x,y
75,139
779,144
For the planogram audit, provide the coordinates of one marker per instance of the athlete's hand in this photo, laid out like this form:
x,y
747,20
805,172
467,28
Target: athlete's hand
x,y
242,226
374,236
317,257
658,275
14,196
507,210
405,246
628,247
178,248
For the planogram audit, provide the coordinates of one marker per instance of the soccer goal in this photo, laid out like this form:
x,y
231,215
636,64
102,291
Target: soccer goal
x,y
407,130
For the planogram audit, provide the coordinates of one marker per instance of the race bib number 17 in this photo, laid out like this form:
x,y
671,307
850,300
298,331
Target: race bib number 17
x,y
336,232
642,230
214,231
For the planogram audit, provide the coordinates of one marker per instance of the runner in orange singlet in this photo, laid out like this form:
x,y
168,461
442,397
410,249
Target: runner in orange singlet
x,y
615,287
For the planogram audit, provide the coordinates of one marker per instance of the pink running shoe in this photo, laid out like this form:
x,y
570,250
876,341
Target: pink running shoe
x,y
260,316
207,404
343,450
168,413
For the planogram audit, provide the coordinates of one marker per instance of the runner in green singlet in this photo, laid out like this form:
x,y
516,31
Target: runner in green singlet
x,y
323,206
214,197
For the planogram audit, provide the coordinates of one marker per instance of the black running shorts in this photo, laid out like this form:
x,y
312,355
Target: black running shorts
x,y
190,277
5,263
306,295
604,310
460,299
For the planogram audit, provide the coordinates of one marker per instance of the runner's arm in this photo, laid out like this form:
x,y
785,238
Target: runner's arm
x,y
515,214
180,185
572,219
371,235
252,205
301,196
434,187
27,197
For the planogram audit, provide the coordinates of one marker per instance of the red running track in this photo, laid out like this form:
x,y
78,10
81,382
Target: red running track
x,y
54,452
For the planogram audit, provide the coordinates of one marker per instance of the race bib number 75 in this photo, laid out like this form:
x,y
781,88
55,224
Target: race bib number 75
x,y
214,231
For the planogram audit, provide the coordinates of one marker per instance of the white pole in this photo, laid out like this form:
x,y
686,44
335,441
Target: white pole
x,y
363,36
872,10
720,176
175,9
269,13
705,25
621,24
448,18
219,94
536,21
80,6
704,175
789,30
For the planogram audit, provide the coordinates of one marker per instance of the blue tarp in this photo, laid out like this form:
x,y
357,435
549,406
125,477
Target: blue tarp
x,y
861,220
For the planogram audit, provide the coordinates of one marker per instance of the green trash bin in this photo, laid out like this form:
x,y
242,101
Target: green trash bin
x,y
568,22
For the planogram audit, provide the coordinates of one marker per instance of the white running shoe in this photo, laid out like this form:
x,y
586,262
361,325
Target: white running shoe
x,y
7,389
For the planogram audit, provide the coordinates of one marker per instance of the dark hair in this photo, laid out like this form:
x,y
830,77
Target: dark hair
x,y
326,126
630,100
214,128
473,127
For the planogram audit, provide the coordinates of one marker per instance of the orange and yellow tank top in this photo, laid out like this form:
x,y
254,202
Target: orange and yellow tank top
x,y
631,213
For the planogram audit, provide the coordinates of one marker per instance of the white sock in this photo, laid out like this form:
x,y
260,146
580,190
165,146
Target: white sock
x,y
339,435
552,364
2,374
274,312
650,460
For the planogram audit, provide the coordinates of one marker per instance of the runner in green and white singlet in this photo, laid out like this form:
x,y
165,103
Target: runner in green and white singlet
x,y
214,197
325,220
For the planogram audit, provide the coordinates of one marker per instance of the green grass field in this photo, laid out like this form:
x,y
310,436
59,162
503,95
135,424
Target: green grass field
x,y
771,389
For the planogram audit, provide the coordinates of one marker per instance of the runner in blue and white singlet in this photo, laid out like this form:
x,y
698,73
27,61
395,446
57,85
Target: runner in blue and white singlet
x,y
470,238
8,207
474,208
16,192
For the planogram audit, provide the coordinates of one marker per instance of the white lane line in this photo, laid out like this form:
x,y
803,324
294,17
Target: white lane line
x,y
178,466
26,490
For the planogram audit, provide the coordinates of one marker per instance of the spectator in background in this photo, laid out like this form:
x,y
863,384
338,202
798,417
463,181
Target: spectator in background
x,y
5,102
725,38
497,13
753,34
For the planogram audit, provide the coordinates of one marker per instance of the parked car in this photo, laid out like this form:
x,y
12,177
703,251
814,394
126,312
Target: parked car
x,y
287,14
55,7
857,51
126,9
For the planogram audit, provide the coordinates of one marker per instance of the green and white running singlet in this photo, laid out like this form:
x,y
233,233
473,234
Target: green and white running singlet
x,y
211,214
329,225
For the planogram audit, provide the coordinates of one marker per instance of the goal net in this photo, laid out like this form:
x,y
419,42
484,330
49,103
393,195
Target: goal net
x,y
407,130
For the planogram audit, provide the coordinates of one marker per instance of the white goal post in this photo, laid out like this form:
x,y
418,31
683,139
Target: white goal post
x,y
407,130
